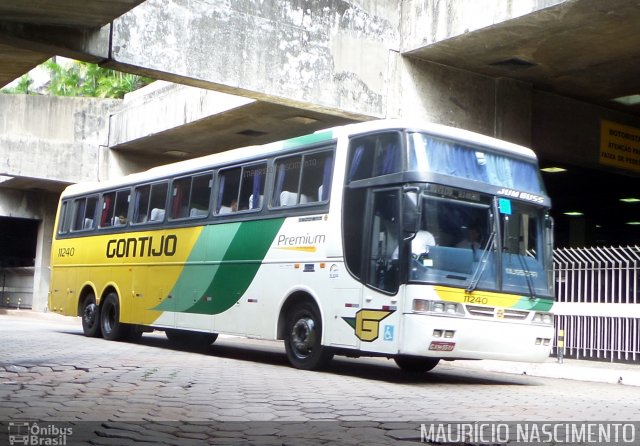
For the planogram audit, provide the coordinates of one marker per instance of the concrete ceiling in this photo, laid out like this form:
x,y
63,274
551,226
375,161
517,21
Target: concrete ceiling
x,y
586,49
251,124
17,59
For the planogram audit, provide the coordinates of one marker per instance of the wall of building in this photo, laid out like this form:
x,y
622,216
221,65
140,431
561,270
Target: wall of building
x,y
445,95
40,206
47,142
52,138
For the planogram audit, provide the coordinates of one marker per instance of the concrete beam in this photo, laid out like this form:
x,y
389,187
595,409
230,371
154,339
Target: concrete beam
x,y
430,21
329,55
90,45
163,106
52,138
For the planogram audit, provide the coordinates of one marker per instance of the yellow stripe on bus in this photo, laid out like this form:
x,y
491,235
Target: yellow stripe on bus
x,y
477,297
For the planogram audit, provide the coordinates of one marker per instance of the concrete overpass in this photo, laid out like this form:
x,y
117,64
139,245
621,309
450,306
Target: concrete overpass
x,y
542,73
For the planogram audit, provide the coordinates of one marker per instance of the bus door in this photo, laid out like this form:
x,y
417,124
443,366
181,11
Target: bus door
x,y
378,320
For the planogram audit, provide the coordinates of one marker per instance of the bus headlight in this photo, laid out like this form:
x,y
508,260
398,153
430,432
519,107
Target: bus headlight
x,y
437,306
450,308
543,318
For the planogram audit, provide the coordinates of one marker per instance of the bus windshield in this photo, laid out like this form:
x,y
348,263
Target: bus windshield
x,y
429,153
460,235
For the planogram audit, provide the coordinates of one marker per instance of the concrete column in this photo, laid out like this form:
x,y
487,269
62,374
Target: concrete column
x,y
41,276
513,111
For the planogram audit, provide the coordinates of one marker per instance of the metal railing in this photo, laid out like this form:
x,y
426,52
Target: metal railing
x,y
16,287
598,302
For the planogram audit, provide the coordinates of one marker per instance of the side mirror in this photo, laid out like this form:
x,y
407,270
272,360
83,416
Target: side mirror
x,y
410,212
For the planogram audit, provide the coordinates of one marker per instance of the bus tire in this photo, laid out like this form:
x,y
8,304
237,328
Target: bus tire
x,y
112,328
303,338
415,364
91,317
186,337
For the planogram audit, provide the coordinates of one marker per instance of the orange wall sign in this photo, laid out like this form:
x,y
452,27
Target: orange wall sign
x,y
620,146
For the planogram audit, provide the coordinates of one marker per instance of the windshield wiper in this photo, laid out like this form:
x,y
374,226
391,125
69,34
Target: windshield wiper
x,y
527,274
482,263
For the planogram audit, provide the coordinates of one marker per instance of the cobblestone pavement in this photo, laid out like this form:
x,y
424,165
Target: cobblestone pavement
x,y
243,392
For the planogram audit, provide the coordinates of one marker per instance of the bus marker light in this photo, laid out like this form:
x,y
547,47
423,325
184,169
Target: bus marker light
x,y
420,305
441,346
449,333
437,333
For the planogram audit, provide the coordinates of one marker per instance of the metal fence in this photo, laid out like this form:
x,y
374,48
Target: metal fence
x,y
598,302
16,287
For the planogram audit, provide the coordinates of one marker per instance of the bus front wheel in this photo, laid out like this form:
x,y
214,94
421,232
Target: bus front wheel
x,y
112,328
415,364
303,338
91,317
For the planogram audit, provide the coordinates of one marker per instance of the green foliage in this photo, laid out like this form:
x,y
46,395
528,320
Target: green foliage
x,y
83,79
23,86
87,79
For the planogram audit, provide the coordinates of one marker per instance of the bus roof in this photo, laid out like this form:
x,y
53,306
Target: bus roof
x,y
258,151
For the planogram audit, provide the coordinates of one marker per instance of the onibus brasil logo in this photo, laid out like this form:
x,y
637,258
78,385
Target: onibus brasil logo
x,y
32,434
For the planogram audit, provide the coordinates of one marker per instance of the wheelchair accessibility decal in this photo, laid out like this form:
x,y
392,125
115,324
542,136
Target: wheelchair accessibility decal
x,y
367,324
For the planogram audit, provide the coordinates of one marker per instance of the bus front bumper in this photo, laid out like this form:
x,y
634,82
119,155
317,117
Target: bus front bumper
x,y
465,338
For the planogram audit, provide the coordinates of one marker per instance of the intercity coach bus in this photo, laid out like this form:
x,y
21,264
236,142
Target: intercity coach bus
x,y
416,242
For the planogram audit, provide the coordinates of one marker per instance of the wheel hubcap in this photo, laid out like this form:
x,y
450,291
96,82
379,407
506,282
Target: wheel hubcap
x,y
90,315
303,336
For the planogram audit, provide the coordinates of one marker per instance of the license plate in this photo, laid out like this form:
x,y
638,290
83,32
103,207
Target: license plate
x,y
440,346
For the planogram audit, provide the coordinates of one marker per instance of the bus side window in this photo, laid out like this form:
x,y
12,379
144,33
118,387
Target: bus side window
x,y
65,218
229,186
200,195
190,197
315,184
85,213
150,202
180,198
141,206
121,210
108,204
241,188
374,155
252,188
115,206
285,192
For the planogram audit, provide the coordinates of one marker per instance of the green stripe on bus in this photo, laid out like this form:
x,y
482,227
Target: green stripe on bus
x,y
213,289
200,267
307,140
533,303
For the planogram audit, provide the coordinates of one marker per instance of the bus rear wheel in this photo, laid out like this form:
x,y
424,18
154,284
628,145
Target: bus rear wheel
x,y
415,364
303,338
112,328
91,317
